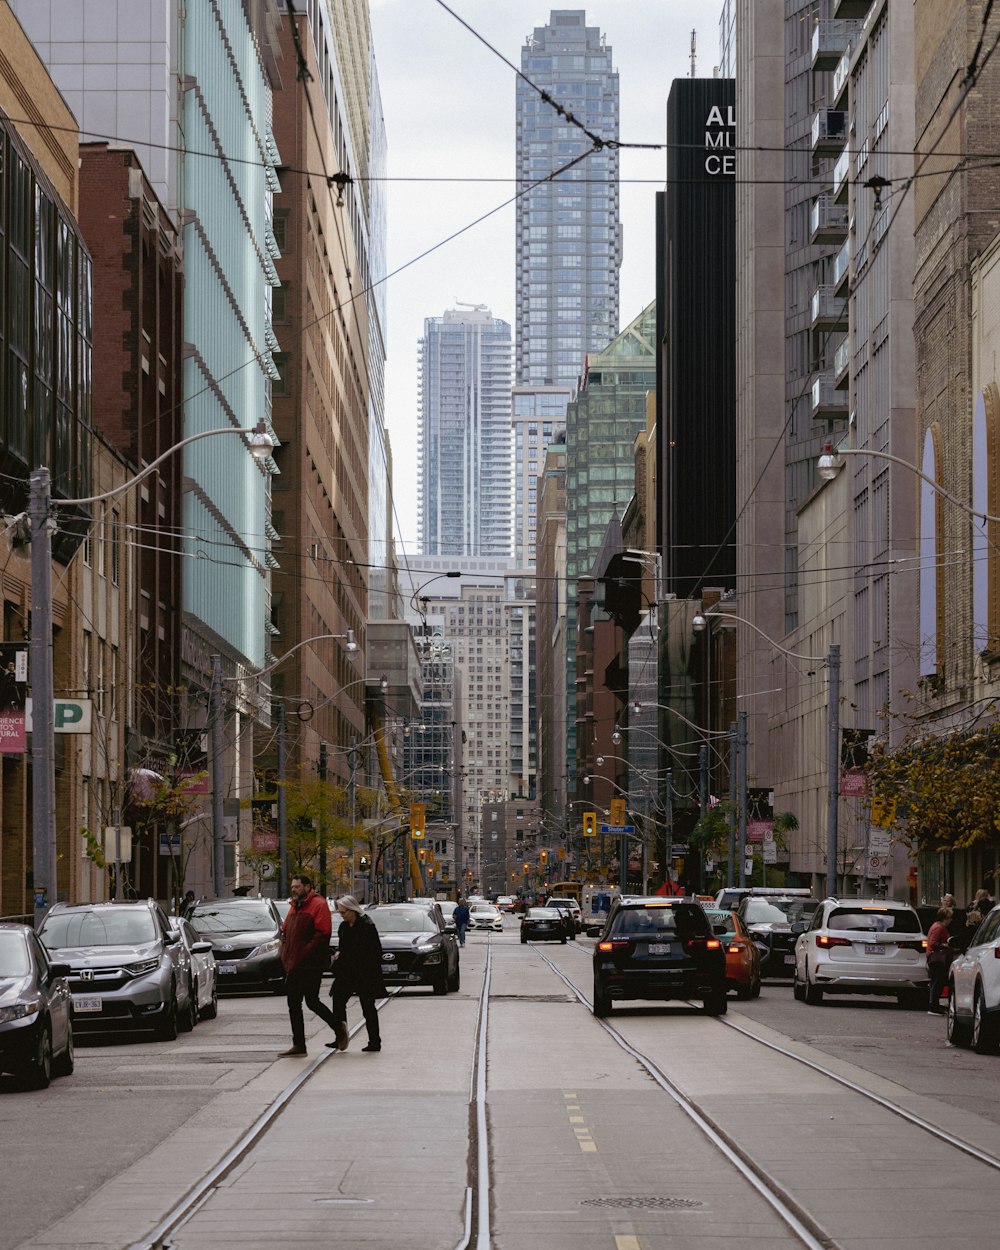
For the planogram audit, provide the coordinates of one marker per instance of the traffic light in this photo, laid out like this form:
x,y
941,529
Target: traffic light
x,y
543,858
422,853
418,817
590,824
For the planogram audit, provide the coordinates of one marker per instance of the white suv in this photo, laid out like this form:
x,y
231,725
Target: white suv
x,y
974,990
862,946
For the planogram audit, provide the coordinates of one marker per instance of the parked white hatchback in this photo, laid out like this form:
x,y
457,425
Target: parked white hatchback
x,y
974,990
862,946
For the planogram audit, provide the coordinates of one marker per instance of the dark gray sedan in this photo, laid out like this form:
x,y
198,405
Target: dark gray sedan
x,y
36,1028
544,924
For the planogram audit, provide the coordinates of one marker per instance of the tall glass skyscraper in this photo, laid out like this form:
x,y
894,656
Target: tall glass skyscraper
x,y
465,434
569,244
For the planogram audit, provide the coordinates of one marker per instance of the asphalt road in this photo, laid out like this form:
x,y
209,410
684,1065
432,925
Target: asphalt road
x,y
177,1106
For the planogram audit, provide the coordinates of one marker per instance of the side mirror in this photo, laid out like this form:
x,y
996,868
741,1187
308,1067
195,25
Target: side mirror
x,y
800,926
720,929
172,938
957,944
59,970
594,930
450,927
201,948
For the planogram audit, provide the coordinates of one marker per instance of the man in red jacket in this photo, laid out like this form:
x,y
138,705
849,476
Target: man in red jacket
x,y
305,953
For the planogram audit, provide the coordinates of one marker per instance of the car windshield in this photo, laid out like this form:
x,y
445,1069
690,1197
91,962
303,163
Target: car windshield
x,y
778,910
874,920
685,920
562,902
104,926
485,909
542,913
403,920
232,917
13,955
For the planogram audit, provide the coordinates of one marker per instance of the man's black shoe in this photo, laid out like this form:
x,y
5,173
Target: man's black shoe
x,y
371,1048
293,1050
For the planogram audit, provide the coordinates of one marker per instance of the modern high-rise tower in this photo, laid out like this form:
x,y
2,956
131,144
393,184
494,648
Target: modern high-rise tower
x,y
568,230
465,437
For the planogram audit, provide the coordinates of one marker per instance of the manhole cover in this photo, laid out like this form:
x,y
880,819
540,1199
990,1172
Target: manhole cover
x,y
646,1204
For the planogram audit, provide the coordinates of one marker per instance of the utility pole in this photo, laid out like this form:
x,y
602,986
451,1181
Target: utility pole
x,y
43,770
282,806
218,850
731,818
703,795
352,759
668,828
321,770
741,768
833,767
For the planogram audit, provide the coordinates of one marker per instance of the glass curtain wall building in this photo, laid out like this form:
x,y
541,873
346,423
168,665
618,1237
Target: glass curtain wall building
x,y
465,434
568,231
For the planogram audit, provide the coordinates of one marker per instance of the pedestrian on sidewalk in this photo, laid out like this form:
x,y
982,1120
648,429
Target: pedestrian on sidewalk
x,y
357,969
461,918
305,954
938,958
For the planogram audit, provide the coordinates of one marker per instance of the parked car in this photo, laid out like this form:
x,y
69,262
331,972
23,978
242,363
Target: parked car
x,y
417,948
974,989
36,1011
204,978
659,949
569,904
543,924
245,934
485,916
742,953
862,946
770,920
127,969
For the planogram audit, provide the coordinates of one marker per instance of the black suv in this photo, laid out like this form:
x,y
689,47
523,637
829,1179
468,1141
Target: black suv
x,y
774,922
659,948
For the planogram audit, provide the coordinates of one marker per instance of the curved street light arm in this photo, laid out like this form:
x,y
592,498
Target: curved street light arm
x,y
731,616
261,446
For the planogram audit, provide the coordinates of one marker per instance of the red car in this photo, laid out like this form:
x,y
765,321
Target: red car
x,y
742,955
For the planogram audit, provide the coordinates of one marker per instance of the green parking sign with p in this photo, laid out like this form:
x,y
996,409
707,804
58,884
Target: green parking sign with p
x,y
70,716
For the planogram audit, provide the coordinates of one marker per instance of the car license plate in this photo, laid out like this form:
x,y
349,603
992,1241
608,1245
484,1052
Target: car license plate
x,y
874,950
659,948
789,959
86,1004
225,968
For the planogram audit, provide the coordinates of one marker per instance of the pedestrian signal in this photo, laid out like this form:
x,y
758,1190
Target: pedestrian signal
x,y
590,824
418,817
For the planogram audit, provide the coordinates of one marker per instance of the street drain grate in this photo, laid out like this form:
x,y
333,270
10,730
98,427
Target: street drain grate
x,y
645,1204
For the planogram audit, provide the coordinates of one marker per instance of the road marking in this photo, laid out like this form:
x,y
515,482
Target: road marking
x,y
589,1147
577,1119
583,1137
626,1243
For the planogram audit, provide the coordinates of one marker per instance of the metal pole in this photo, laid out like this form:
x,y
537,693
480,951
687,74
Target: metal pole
x,y
741,768
832,767
668,830
703,795
218,853
116,817
321,771
43,772
282,807
731,819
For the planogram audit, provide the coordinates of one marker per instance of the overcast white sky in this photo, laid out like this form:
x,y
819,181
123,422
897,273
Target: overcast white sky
x,y
449,113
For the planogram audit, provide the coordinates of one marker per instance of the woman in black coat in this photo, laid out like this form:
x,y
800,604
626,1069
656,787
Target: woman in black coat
x,y
357,969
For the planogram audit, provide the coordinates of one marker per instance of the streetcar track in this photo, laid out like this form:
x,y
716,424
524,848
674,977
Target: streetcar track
x,y
182,1212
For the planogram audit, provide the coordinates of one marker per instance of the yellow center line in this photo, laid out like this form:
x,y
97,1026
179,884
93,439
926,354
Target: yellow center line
x,y
588,1147
577,1119
627,1242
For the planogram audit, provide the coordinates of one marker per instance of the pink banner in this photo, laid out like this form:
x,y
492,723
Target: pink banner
x,y
12,733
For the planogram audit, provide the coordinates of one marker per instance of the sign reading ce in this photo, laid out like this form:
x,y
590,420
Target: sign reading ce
x,y
71,716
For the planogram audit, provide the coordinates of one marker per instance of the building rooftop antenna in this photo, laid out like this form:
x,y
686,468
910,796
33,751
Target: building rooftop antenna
x,y
694,53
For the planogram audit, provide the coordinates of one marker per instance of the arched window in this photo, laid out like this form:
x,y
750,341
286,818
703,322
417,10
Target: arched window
x,y
931,572
985,535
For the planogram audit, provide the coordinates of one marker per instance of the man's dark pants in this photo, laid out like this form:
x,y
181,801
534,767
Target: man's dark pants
x,y
303,984
342,991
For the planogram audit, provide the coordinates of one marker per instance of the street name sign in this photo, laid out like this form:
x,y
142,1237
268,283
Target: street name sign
x,y
619,829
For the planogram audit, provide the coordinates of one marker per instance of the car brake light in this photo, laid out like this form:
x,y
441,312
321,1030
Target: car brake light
x,y
734,948
616,945
708,944
912,946
825,941
712,944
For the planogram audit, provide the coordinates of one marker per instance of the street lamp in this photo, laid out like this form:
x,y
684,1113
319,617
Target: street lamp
x,y
43,781
832,663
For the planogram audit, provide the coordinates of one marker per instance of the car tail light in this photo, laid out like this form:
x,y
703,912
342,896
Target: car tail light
x,y
912,946
824,941
708,944
734,948
616,945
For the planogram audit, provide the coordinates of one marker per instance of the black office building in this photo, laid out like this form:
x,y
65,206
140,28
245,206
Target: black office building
x,y
696,365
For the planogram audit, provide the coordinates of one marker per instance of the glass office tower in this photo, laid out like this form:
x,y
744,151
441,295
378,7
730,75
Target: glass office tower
x,y
568,231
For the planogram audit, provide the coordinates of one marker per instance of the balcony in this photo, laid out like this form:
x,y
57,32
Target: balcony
x,y
842,364
851,8
827,221
830,41
841,77
829,312
841,177
828,402
842,271
829,131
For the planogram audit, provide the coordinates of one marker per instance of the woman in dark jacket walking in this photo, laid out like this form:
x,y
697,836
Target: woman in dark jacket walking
x,y
357,969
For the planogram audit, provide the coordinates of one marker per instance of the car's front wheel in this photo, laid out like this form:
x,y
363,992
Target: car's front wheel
x,y
441,982
166,1028
38,1071
211,1010
959,1031
455,982
62,1065
188,1018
